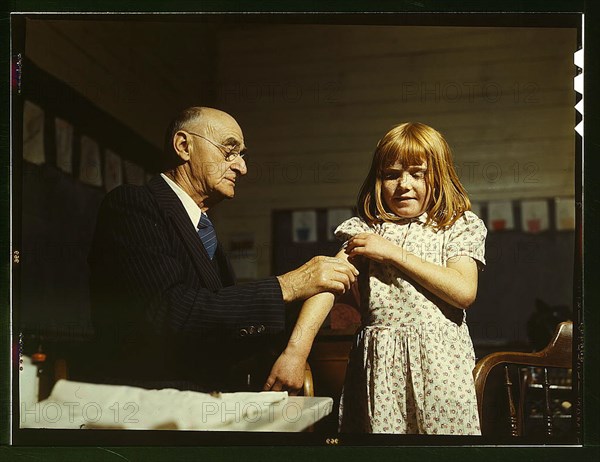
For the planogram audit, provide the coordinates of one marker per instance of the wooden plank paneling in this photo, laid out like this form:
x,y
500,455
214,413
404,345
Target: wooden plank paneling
x,y
139,72
314,99
317,98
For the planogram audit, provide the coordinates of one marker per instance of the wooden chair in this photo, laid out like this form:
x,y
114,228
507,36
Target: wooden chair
x,y
557,354
308,389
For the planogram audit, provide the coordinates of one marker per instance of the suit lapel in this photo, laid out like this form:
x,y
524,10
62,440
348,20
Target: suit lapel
x,y
171,206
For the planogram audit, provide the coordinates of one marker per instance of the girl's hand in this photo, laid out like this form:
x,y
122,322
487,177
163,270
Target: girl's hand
x,y
287,374
372,246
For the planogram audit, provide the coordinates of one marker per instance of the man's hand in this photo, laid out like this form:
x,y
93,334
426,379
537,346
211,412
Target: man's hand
x,y
320,274
287,374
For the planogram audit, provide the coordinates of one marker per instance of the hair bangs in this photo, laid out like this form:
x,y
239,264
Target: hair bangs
x,y
412,144
406,149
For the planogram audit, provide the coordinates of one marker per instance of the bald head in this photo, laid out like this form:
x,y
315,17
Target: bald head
x,y
207,149
197,116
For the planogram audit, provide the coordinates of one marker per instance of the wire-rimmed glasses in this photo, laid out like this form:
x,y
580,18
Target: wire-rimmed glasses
x,y
230,152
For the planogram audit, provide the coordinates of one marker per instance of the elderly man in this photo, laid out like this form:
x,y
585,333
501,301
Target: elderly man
x,y
165,307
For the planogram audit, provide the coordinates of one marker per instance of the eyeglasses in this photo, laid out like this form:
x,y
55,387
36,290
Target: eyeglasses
x,y
230,152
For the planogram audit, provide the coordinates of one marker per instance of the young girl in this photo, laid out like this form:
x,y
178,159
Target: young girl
x,y
418,248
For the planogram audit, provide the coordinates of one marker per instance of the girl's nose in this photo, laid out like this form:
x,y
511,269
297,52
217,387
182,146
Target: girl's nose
x,y
404,181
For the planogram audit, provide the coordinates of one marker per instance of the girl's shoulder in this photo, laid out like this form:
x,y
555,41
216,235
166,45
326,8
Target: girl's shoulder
x,y
351,227
471,217
468,221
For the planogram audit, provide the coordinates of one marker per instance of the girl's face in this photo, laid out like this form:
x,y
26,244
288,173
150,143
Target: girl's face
x,y
404,189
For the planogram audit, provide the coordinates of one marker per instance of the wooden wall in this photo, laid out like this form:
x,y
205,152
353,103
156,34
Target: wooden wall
x,y
313,101
140,72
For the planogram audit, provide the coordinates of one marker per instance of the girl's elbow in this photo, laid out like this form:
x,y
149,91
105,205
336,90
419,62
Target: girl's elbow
x,y
467,299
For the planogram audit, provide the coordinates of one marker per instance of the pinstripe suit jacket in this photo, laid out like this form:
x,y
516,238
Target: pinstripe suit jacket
x,y
163,312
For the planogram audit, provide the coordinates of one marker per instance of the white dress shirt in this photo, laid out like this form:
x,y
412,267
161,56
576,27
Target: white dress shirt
x,y
192,209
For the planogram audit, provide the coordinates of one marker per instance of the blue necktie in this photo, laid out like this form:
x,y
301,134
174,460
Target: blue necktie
x,y
206,231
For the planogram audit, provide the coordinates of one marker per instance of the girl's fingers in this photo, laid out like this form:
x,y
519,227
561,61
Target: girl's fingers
x,y
356,251
358,241
276,386
352,248
268,384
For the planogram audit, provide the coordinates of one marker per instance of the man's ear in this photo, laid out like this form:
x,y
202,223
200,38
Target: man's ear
x,y
181,145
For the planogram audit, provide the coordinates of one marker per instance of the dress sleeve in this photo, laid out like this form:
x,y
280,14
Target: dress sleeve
x,y
467,237
351,228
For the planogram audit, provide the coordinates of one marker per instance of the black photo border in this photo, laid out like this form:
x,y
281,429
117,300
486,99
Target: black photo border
x,y
58,445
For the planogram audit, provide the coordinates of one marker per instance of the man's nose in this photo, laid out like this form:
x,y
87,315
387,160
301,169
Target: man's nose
x,y
239,165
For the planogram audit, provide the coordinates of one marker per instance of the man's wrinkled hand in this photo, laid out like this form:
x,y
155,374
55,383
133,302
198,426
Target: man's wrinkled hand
x,y
319,274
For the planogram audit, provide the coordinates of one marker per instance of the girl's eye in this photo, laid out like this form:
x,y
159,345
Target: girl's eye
x,y
418,175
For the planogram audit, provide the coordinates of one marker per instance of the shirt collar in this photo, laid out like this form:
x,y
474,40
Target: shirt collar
x,y
421,219
192,209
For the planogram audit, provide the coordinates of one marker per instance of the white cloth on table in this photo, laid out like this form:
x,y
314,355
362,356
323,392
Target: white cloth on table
x,y
86,405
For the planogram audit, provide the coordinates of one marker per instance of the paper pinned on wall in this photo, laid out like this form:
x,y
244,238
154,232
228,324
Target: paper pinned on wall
x,y
500,216
334,218
90,169
534,216
113,171
243,256
134,174
244,264
304,226
565,213
33,134
64,145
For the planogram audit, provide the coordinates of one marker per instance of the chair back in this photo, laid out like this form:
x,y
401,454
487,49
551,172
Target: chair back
x,y
308,389
557,354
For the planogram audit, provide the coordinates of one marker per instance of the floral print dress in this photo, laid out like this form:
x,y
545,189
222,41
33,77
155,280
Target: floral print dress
x,y
410,367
